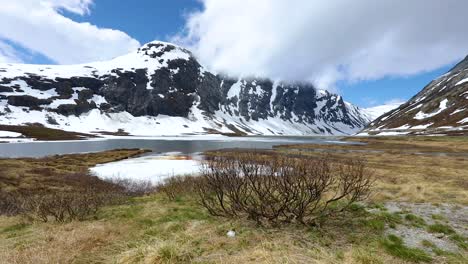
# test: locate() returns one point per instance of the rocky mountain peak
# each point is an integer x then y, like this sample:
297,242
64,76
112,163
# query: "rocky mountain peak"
162,89
163,50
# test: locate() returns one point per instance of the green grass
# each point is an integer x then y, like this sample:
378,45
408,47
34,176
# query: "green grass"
171,253
437,217
415,220
461,241
379,206
15,228
440,228
394,246
375,224
427,244
128,211
392,219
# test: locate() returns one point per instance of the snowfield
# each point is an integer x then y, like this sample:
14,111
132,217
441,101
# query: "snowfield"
376,111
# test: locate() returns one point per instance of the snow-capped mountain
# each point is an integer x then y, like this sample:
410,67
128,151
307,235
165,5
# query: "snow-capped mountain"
440,108
375,111
161,89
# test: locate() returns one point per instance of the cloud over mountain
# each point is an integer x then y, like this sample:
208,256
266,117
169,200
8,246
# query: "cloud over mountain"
326,41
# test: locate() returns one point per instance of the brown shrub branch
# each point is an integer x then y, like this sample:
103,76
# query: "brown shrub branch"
281,189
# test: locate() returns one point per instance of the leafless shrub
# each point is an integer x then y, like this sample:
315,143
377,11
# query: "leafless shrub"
8,204
63,206
133,187
177,186
81,201
277,188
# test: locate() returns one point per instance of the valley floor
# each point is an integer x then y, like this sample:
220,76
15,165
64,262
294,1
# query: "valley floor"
417,213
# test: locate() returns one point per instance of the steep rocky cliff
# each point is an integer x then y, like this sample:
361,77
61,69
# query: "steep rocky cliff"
161,89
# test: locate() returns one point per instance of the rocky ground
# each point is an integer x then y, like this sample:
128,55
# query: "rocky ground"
430,227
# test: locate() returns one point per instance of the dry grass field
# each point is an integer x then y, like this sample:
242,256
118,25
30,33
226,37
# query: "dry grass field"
25,174
412,169
425,195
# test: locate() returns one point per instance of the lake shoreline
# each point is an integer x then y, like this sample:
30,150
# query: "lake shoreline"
184,144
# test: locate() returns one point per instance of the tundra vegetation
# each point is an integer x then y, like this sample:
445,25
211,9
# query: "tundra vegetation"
293,204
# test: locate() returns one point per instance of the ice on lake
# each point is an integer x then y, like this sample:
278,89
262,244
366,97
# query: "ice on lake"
154,168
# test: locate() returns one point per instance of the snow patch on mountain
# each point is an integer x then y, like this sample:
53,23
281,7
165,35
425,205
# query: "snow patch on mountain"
442,106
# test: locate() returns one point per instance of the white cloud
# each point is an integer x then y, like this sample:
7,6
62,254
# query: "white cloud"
39,26
80,7
8,53
326,41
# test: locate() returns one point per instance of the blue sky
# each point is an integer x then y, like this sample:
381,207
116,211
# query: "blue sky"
147,20
388,89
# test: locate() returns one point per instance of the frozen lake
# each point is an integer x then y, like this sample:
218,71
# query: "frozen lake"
186,145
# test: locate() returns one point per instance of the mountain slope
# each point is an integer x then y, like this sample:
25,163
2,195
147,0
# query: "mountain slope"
440,108
161,89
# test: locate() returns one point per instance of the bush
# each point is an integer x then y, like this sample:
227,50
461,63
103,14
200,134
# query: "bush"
8,204
131,187
176,186
65,206
281,189
79,202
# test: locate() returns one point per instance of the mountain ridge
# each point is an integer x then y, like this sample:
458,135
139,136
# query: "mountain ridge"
161,89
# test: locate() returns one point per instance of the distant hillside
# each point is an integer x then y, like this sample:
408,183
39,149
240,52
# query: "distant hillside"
440,108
